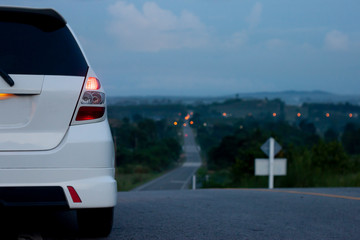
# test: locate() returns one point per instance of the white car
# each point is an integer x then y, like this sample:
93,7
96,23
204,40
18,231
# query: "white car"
56,148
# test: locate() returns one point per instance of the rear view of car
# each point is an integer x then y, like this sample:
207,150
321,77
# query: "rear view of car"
56,148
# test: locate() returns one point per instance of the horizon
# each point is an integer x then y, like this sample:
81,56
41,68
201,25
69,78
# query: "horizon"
240,93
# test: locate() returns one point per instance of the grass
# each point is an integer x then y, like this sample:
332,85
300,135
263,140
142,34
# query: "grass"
222,179
129,181
131,176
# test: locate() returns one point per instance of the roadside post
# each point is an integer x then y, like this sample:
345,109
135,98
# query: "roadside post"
270,167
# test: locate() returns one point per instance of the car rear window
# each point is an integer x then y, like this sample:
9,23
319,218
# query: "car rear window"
29,49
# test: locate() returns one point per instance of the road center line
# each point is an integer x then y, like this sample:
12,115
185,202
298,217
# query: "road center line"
308,193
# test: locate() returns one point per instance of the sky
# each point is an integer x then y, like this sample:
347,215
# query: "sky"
216,47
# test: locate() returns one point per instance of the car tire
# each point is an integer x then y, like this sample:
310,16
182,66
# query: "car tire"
95,222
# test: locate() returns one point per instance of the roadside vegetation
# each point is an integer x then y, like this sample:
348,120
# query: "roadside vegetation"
145,148
320,141
325,154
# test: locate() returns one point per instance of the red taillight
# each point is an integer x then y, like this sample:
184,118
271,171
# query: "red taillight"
93,84
75,197
90,113
92,104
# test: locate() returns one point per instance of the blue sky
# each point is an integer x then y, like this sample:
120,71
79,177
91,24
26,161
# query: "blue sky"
216,47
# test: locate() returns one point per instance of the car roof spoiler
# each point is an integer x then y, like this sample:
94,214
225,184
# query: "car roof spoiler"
47,20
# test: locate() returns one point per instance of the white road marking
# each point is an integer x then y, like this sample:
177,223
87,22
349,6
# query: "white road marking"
29,237
191,164
177,181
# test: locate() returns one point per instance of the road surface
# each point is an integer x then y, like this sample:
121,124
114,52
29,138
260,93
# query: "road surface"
181,177
331,213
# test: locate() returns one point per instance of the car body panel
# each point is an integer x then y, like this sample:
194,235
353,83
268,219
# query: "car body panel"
40,121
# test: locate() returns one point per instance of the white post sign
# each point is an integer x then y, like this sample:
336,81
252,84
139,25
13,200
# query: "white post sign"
270,167
262,167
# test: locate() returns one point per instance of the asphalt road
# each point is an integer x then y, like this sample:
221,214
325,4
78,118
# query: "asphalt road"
239,214
332,213
180,178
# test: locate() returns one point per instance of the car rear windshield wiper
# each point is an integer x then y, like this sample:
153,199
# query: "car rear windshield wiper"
7,78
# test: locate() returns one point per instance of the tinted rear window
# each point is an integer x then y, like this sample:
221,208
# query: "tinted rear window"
26,49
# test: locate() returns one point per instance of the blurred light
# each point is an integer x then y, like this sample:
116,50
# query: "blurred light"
186,135
205,124
274,114
187,117
241,127
350,115
4,96
93,84
191,122
327,115
179,114
192,113
224,114
298,114
175,123
184,124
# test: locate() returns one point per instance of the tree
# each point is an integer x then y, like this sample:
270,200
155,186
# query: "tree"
331,135
351,139
330,157
307,127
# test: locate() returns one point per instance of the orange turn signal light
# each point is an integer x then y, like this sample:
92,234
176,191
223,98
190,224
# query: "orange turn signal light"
4,96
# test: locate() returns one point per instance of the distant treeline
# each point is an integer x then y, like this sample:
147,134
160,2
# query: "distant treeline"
145,143
313,160
322,116
156,112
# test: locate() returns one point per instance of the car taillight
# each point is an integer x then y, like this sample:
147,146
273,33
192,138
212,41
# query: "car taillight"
93,84
92,97
91,106
90,113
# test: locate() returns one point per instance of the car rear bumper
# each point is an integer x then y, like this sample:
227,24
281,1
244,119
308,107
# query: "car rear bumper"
83,160
33,197
31,187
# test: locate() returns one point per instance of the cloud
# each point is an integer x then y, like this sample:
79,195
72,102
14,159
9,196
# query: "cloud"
237,39
240,38
336,41
153,28
275,43
255,16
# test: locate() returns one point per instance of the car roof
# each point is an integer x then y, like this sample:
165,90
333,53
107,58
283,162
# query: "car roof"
44,19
